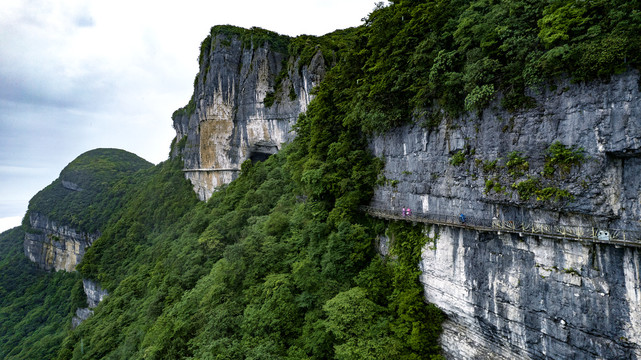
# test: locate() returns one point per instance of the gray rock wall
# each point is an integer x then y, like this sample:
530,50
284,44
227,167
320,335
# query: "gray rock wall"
95,294
527,297
54,246
231,122
602,118
511,297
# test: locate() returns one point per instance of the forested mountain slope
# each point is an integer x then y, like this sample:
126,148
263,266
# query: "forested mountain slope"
36,307
281,263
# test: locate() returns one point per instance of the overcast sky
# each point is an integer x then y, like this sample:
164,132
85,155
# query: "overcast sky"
76,75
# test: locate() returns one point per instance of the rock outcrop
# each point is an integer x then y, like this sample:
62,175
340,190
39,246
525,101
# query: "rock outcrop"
95,294
65,217
511,297
246,99
58,247
53,246
532,297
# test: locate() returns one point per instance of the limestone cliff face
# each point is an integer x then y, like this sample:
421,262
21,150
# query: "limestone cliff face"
53,246
59,247
513,296
95,294
232,120
602,118
56,247
507,295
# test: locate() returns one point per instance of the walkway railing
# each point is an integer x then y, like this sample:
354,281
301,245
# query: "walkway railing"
570,232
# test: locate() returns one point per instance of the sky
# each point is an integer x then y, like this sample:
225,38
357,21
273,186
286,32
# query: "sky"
76,75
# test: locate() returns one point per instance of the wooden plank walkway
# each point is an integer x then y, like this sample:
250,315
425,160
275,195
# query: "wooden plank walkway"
617,237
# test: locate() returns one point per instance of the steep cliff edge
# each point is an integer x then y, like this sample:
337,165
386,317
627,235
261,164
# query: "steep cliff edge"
66,217
514,295
247,96
53,246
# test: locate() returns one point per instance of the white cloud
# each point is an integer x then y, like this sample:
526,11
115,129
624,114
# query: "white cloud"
20,170
9,222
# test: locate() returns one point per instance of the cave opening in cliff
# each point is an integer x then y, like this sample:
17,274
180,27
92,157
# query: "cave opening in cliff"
261,151
259,156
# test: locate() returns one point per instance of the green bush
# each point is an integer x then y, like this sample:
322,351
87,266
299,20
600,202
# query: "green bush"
526,189
562,158
490,165
552,193
516,164
270,98
493,185
458,158
479,97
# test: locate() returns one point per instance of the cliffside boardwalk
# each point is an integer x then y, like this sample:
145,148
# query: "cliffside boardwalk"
617,237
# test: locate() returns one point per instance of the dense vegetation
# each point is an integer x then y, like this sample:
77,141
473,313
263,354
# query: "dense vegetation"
281,263
435,59
89,189
36,307
259,271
